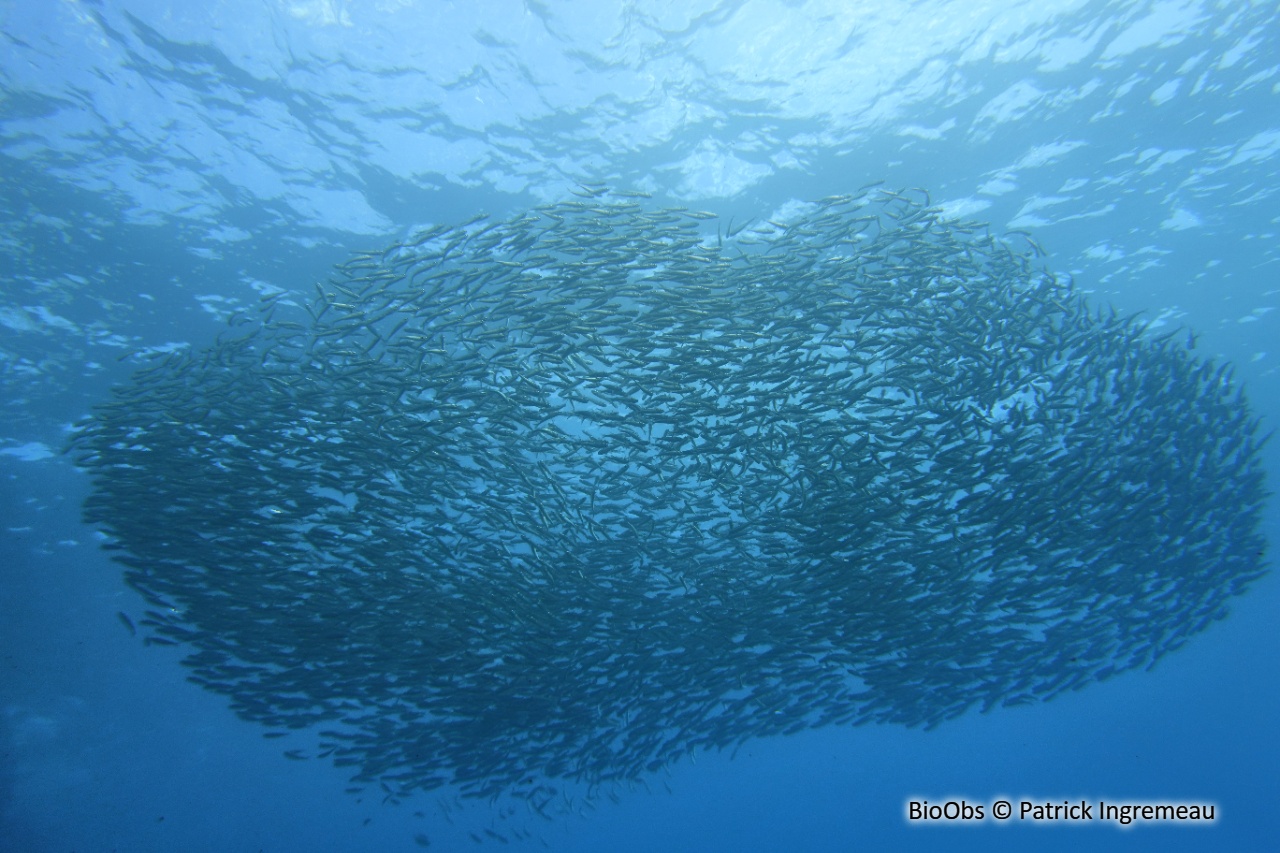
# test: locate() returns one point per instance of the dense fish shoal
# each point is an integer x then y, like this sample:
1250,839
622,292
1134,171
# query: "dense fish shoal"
575,494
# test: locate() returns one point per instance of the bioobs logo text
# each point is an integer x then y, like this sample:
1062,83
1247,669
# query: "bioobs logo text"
919,811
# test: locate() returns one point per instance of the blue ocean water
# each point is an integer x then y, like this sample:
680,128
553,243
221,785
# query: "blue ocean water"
163,165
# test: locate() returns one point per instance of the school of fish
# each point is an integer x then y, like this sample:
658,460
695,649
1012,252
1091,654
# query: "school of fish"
573,495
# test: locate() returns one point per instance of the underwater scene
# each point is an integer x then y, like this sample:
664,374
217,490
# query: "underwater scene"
631,426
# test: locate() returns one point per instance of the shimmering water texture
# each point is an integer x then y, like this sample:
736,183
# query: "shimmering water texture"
573,495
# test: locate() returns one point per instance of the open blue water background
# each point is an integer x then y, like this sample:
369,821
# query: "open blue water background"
163,163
